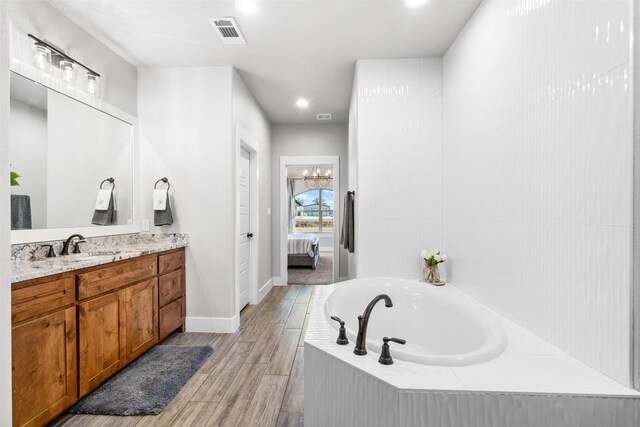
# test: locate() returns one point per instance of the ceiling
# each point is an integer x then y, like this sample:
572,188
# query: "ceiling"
295,48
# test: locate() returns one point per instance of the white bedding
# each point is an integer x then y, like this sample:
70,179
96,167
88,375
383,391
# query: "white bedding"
301,244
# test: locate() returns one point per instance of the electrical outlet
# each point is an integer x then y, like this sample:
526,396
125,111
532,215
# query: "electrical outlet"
145,225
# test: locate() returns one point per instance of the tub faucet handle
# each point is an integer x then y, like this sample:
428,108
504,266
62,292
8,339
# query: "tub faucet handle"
342,334
385,354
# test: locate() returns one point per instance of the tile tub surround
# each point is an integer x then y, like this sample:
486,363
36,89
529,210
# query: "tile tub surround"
530,374
29,261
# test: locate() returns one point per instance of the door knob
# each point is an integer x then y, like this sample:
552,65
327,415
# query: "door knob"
249,235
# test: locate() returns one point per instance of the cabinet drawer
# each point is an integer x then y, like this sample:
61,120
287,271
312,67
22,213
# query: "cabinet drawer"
171,317
102,280
171,261
43,297
171,286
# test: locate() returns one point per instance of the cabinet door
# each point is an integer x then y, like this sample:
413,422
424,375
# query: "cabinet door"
102,339
44,367
141,317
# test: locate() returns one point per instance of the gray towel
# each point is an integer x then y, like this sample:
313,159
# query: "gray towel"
20,212
107,217
164,217
347,233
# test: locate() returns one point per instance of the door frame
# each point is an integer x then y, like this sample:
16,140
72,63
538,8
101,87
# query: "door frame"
245,140
286,161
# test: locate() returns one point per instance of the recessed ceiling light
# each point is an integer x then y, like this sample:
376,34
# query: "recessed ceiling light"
302,103
414,3
247,6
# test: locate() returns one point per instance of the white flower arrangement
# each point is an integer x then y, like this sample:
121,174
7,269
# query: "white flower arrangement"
433,257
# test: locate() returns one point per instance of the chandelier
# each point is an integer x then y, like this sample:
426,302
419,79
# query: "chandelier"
316,181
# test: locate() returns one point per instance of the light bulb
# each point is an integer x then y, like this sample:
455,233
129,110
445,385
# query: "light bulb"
42,56
67,70
302,103
92,83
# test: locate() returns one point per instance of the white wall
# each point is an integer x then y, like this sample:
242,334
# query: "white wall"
307,140
118,77
28,148
185,119
399,169
538,171
5,225
248,115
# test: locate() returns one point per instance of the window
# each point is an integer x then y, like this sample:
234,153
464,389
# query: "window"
313,212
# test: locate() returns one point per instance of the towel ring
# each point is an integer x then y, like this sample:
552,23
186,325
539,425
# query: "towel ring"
110,180
165,180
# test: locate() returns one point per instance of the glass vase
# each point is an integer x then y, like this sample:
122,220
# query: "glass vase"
432,275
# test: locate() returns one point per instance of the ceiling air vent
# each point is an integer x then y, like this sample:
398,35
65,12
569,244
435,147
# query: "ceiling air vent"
228,30
323,116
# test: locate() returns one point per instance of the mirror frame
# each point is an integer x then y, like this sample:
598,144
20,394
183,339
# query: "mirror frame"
50,234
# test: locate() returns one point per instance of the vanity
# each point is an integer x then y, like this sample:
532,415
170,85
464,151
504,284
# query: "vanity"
74,329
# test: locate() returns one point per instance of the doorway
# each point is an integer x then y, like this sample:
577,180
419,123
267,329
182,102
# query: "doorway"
309,220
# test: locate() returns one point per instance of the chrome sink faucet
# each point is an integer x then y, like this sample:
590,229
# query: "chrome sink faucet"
65,247
363,323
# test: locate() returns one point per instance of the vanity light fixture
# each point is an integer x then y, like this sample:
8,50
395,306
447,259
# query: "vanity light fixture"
414,3
302,103
42,55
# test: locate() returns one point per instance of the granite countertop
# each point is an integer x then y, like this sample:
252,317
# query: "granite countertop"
98,251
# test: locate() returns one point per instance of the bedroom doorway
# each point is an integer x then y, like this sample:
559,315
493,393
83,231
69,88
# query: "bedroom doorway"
310,224
310,220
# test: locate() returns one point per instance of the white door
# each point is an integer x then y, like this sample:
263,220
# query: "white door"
244,264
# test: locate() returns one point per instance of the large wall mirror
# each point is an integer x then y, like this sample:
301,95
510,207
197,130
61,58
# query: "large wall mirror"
65,152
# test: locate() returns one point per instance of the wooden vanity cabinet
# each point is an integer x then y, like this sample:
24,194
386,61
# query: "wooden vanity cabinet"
73,331
44,370
171,292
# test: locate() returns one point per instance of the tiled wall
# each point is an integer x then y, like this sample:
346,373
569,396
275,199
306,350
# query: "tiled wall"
537,162
399,167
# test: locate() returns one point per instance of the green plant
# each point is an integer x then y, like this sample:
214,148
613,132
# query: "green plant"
14,179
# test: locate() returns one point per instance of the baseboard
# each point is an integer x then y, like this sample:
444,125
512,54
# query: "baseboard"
279,281
220,325
264,290
342,279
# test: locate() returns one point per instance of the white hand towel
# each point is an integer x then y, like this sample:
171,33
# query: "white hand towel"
160,200
102,203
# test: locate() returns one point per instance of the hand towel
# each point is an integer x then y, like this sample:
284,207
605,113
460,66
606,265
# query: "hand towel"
104,216
160,199
164,216
104,198
20,212
347,239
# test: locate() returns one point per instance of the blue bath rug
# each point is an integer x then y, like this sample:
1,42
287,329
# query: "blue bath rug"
148,384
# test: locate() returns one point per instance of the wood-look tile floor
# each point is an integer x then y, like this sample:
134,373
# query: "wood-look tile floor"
253,378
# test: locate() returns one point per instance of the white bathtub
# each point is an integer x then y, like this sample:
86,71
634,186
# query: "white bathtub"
439,329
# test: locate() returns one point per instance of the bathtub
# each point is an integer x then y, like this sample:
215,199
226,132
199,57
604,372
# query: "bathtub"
440,330
463,364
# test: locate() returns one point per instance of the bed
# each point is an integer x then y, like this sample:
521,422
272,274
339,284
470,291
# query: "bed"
303,250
